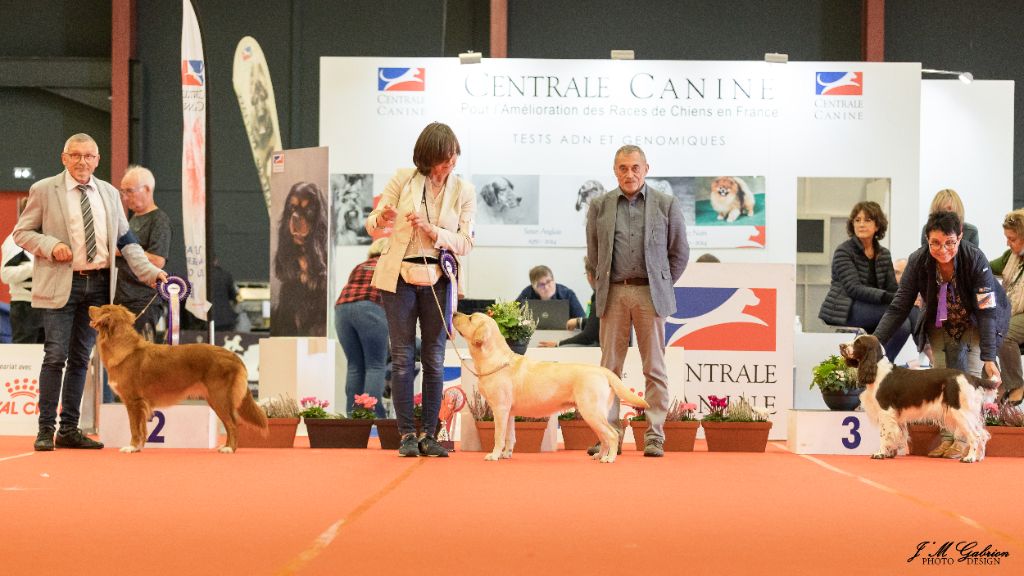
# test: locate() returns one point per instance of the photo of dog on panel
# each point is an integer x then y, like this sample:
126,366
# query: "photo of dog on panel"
507,200
299,305
683,189
894,397
730,200
351,203
588,191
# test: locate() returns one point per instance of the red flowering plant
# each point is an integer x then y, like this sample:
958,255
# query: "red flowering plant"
313,407
718,407
417,406
1003,415
364,410
740,411
681,411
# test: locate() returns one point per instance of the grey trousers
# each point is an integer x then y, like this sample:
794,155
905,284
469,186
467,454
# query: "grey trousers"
964,354
1009,355
631,307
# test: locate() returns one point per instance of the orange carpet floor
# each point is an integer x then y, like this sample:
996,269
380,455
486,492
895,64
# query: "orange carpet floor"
305,511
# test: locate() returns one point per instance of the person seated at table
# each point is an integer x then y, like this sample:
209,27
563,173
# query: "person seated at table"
589,327
947,200
863,279
542,287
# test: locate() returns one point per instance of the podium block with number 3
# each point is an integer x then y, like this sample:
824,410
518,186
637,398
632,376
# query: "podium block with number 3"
831,432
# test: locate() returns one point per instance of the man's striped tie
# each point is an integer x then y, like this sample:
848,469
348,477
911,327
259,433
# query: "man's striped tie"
90,230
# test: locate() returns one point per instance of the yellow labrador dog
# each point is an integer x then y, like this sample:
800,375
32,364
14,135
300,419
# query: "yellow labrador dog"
515,385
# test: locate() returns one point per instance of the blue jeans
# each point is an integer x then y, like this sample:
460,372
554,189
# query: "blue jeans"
69,342
404,307
363,334
867,315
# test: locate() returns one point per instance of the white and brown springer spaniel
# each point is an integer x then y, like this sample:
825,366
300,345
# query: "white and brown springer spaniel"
894,396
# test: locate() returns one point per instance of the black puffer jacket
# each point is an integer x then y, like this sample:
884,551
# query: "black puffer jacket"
850,269
976,283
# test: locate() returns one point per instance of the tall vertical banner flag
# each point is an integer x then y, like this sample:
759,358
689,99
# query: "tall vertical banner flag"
255,92
193,158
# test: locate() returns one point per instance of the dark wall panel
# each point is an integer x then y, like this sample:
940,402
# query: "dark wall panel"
685,29
979,37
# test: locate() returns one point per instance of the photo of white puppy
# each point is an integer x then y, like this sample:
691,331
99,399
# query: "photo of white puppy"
731,198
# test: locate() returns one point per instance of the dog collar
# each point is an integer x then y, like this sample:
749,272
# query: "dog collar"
504,365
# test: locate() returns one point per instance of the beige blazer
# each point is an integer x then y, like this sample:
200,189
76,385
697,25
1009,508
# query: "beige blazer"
454,227
44,223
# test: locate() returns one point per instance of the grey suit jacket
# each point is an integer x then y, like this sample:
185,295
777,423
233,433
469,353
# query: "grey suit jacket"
666,250
44,223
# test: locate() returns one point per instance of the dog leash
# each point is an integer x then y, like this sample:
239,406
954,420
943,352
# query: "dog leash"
452,285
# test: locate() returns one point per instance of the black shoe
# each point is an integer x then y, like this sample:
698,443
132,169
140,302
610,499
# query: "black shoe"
430,447
44,439
409,446
593,450
75,439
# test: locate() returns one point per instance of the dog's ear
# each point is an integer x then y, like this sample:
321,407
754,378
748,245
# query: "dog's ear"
94,312
867,368
481,333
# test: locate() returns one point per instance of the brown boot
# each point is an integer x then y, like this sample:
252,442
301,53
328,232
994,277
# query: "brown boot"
957,451
940,451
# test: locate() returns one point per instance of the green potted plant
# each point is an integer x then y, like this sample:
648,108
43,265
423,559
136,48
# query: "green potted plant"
735,427
282,419
576,433
328,430
838,384
1006,425
515,322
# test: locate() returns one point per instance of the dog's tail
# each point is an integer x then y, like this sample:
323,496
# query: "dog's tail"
626,395
251,412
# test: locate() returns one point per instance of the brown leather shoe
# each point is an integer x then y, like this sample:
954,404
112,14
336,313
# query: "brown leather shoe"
940,451
957,451
1015,397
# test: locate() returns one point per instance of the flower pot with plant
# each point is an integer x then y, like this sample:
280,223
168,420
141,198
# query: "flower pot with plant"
480,421
838,384
736,427
328,430
1006,425
680,427
515,322
282,418
576,433
529,433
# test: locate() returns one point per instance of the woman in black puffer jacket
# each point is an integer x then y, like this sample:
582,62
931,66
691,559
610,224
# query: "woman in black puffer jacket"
863,279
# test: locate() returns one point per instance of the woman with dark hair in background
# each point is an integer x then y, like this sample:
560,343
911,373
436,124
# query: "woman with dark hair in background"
425,210
863,279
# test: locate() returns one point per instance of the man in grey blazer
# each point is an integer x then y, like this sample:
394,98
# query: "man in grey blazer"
636,251
74,225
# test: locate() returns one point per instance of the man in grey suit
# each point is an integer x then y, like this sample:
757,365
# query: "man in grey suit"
636,251
73,224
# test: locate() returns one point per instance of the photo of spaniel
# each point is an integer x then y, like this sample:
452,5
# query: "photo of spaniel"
894,397
731,198
588,191
300,264
499,195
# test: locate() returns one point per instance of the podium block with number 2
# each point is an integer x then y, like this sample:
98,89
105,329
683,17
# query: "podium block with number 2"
178,426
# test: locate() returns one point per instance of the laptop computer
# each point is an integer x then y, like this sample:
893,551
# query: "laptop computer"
550,314
471,305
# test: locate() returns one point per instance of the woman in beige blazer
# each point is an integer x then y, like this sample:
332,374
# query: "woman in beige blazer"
424,210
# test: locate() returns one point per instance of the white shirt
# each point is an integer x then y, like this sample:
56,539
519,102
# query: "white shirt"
77,225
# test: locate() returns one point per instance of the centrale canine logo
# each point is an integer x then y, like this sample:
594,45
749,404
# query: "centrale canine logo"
193,73
401,79
839,83
723,319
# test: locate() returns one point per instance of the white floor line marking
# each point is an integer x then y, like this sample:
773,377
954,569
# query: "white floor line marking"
327,536
920,501
6,458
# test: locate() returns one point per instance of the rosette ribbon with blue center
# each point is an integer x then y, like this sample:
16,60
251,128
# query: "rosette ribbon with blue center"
175,291
450,267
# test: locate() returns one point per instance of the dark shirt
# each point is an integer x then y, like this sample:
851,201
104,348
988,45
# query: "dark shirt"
628,259
223,295
590,330
359,286
561,293
153,230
